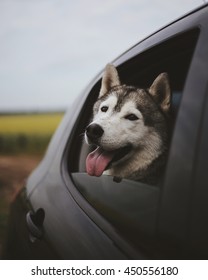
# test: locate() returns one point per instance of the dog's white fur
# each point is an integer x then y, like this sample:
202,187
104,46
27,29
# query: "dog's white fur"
147,142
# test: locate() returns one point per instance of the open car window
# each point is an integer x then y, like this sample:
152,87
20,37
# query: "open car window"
131,206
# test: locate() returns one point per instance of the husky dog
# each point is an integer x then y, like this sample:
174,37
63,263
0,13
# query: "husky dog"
129,128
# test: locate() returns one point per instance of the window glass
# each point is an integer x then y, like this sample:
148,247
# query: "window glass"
132,206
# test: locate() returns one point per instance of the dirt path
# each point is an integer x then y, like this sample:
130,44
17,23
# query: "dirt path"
13,172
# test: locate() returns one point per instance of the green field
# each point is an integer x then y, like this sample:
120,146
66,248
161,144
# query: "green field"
27,133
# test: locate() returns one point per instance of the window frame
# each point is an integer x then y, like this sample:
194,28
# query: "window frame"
129,65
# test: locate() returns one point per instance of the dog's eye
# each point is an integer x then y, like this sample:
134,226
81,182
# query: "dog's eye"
104,109
131,117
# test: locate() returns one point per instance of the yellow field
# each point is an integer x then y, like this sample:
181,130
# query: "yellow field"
30,124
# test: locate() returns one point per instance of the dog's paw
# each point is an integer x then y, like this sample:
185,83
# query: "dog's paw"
117,179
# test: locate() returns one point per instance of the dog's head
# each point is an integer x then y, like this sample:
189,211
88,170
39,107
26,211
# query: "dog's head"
126,118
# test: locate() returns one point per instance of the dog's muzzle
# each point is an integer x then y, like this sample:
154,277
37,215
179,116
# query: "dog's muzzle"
94,132
99,159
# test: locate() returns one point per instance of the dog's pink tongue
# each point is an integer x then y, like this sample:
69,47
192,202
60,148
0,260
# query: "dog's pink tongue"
97,161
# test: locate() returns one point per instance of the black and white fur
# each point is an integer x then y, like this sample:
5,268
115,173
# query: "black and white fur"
132,124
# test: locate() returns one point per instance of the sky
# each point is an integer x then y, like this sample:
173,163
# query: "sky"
51,49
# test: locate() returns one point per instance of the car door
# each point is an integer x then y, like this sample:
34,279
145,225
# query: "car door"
143,214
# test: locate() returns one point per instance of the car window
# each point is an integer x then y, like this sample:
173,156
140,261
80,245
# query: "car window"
131,206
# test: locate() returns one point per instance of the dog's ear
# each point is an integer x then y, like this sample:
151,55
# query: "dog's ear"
161,92
109,80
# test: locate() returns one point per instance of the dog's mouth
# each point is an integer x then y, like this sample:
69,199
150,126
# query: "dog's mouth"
99,160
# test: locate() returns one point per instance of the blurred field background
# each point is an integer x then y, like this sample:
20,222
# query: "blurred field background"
23,141
27,133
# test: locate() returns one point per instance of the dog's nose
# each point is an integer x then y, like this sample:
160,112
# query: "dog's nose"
94,131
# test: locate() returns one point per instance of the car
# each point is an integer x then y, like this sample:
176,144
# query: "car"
63,213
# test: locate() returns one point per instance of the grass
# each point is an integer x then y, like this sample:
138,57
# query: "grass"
29,124
27,133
